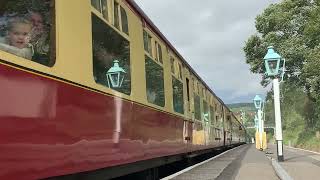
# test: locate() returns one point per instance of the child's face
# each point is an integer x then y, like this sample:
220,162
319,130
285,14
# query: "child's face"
19,35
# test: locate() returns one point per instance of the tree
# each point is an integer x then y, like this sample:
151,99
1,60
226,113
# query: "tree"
281,25
293,28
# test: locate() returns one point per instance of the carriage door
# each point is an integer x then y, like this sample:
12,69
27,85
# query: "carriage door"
187,98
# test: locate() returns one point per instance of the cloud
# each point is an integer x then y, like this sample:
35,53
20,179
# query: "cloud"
210,35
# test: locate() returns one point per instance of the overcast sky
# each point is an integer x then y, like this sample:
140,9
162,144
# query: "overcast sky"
210,35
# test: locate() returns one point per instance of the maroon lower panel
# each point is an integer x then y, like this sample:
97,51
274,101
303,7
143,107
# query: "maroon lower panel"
49,128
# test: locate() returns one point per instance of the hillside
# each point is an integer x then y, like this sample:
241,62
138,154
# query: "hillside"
236,107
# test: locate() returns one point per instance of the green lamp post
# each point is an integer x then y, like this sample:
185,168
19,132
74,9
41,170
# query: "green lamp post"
272,64
258,105
257,102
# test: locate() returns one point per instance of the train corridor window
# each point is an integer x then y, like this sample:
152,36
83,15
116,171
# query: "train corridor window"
27,29
197,108
110,49
147,42
154,82
178,102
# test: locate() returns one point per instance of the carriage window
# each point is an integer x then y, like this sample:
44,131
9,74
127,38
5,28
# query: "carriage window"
116,15
96,4
205,111
197,110
177,87
180,71
160,53
104,9
27,29
155,82
211,115
124,21
172,64
111,57
217,134
147,42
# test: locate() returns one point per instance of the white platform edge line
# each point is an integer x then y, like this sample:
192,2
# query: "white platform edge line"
191,167
302,150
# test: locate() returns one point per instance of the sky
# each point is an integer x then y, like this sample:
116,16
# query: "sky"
210,35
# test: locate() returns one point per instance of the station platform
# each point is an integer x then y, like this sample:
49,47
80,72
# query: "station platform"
247,163
298,163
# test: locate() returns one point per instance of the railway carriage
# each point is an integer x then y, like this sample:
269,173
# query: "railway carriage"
104,94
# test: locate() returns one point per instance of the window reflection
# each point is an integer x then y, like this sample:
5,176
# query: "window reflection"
108,46
155,82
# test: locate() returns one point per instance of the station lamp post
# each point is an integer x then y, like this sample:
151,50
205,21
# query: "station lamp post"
272,65
256,122
258,105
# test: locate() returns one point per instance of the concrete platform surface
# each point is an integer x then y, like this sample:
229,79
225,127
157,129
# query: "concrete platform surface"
241,163
297,163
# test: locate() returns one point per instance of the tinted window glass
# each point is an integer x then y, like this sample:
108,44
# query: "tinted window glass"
96,4
27,29
108,47
155,82
177,87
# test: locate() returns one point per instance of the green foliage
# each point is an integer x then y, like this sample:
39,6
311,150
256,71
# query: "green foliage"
293,28
248,109
283,25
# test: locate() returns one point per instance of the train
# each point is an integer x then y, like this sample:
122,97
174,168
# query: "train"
94,90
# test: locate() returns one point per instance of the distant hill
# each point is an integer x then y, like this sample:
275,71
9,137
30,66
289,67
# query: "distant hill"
247,108
236,107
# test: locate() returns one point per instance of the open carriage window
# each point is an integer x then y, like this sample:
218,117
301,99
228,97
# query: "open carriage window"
27,29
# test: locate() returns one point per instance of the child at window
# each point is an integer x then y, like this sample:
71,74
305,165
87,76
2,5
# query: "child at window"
17,38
